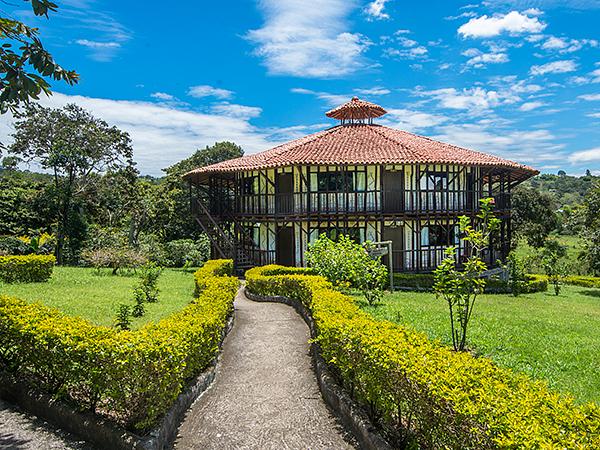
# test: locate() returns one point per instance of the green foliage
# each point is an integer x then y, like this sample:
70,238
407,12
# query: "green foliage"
17,85
591,229
74,145
551,257
123,319
430,395
149,281
26,268
187,252
460,288
131,377
347,263
118,259
533,215
517,279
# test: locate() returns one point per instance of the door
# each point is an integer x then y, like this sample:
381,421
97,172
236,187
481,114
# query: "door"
284,189
284,246
395,234
393,191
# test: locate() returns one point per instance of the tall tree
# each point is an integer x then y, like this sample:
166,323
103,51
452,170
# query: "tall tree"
591,229
73,145
18,84
534,215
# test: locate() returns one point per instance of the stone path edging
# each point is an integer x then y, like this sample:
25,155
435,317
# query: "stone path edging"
101,432
352,416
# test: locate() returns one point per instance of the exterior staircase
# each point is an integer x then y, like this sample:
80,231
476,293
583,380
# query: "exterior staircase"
222,232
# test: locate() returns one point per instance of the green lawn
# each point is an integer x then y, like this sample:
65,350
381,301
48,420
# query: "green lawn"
81,292
547,337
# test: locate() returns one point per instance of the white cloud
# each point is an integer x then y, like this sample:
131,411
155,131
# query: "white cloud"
563,66
530,106
592,154
479,59
308,41
162,96
96,44
514,23
163,134
476,99
594,115
233,110
330,99
375,10
409,49
205,90
590,97
373,91
567,45
411,120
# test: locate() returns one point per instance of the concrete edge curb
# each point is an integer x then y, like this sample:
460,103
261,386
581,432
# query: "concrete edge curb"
351,415
101,432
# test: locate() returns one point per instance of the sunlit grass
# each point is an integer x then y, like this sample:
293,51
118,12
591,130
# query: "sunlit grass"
552,338
83,292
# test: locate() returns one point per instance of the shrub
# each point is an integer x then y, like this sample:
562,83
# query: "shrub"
347,263
131,377
11,245
424,391
26,268
115,258
186,252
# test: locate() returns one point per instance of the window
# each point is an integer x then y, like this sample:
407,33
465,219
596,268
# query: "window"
248,186
358,235
350,181
435,181
437,236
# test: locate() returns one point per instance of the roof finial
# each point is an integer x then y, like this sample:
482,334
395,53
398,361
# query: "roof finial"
356,111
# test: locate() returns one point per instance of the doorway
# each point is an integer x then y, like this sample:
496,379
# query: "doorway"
284,189
393,191
396,235
284,246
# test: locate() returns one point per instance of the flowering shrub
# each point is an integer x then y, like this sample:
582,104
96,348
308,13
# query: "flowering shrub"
426,394
131,377
26,268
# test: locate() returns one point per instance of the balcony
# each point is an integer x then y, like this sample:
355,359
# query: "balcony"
363,202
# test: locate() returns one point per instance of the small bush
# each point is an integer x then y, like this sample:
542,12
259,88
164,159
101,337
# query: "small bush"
26,268
131,377
427,395
114,258
186,252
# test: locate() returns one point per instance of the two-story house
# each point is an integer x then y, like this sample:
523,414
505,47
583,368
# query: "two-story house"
369,181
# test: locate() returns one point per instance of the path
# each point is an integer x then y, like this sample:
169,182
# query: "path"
265,395
19,430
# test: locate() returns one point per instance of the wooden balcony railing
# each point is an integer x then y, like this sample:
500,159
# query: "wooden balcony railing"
428,259
313,203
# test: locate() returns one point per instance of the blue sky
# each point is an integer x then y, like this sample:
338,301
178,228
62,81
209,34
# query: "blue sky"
517,78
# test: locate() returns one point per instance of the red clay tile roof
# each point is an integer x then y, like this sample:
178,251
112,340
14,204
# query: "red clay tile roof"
356,109
359,144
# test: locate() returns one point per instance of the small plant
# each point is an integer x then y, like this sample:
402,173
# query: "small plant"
139,298
346,263
551,258
461,288
517,279
149,282
123,319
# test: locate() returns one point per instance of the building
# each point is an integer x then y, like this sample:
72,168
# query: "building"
369,181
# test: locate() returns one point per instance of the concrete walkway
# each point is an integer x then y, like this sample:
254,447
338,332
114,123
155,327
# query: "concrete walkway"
19,430
265,395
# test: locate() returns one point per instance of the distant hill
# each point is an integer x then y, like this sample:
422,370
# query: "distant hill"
567,190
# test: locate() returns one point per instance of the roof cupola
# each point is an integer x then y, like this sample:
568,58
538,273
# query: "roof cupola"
356,111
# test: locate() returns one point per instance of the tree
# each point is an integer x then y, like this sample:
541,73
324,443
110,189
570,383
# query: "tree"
74,146
220,151
533,215
551,257
17,84
591,229
460,288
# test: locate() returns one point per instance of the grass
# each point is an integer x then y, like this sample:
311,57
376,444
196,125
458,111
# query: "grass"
548,337
82,292
573,246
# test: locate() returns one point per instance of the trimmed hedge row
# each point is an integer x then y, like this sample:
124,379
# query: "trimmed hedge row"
424,391
425,282
578,280
131,377
26,268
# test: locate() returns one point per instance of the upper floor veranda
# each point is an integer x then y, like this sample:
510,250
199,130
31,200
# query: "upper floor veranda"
298,192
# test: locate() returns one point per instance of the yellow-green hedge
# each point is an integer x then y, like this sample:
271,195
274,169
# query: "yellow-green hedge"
26,268
443,398
577,280
131,377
